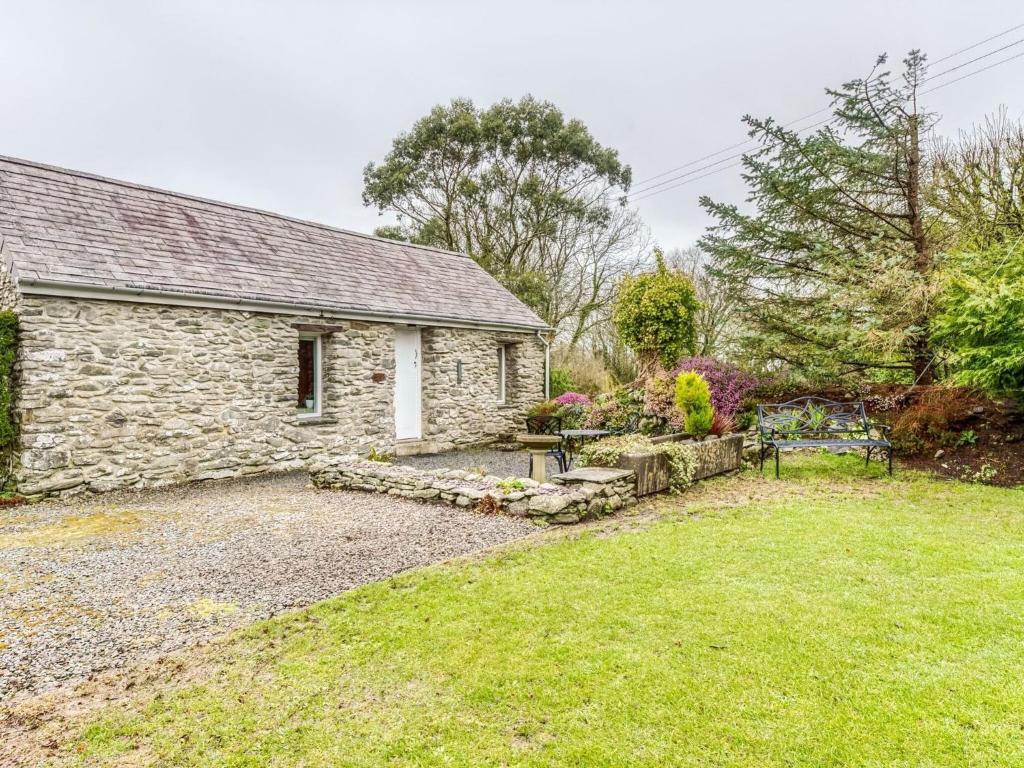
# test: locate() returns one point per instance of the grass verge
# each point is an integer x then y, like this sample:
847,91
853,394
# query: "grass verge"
835,618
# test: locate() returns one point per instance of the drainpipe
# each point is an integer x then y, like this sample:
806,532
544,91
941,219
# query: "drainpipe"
547,365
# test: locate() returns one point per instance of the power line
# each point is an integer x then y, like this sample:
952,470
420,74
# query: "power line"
974,60
651,193
643,182
688,181
980,43
641,193
976,72
641,187
651,190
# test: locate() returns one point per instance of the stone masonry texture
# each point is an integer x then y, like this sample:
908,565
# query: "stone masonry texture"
569,498
118,394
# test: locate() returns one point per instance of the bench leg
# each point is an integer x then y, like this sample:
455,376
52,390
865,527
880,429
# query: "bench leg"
890,461
776,463
867,458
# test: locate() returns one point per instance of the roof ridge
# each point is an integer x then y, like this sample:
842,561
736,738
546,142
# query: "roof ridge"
220,203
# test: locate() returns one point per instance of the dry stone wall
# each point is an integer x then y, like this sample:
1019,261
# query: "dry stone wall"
569,499
118,394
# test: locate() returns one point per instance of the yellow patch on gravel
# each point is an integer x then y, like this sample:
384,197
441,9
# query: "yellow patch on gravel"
71,530
207,608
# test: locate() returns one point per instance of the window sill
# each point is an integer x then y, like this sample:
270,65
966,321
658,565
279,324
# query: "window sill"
507,406
313,421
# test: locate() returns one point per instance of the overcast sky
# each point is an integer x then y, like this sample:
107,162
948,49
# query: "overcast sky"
280,105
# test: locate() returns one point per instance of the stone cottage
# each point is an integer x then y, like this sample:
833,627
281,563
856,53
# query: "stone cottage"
167,338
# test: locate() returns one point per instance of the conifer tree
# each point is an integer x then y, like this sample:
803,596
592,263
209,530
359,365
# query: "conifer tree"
834,263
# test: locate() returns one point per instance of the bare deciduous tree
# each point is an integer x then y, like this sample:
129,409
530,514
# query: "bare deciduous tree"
977,183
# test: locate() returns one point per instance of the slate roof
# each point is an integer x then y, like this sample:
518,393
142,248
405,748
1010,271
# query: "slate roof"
70,227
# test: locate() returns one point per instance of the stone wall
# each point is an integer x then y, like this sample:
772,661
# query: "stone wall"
451,409
712,456
570,498
716,456
119,394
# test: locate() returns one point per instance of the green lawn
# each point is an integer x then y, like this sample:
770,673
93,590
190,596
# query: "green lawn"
835,618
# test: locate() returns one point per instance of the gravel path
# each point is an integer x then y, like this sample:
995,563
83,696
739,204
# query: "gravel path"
104,582
500,463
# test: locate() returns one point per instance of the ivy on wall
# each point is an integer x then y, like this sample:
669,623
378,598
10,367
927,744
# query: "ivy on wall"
8,353
682,459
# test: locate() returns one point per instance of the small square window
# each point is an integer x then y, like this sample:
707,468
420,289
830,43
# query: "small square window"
310,369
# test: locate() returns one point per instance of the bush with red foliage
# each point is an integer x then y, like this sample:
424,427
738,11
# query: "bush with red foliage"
723,425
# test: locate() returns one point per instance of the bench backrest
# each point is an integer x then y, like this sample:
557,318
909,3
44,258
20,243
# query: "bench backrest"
812,416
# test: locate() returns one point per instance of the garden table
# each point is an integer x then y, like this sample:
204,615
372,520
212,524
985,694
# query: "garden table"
575,439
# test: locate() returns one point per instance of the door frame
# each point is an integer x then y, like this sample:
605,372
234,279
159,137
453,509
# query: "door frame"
410,332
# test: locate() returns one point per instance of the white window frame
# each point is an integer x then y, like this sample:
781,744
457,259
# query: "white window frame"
502,373
318,376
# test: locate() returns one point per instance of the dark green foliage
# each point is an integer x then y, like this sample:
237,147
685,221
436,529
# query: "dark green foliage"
561,381
517,186
8,354
392,232
833,269
654,314
981,319
615,410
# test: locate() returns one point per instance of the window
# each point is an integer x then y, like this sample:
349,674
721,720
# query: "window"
501,375
310,368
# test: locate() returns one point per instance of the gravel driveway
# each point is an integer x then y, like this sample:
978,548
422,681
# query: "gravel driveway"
100,583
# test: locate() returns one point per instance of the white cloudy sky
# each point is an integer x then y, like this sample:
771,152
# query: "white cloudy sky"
279,105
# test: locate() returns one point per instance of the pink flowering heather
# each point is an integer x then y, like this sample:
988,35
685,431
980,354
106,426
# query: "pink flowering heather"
573,398
729,385
607,413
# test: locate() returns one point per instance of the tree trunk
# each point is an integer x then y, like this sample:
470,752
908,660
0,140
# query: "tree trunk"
924,362
922,249
923,359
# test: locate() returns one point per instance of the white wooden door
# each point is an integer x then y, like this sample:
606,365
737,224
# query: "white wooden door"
407,384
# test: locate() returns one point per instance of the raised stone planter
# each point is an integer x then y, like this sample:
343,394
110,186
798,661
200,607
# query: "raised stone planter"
712,456
569,498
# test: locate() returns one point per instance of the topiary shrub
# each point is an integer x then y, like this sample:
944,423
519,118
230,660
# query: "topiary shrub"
693,398
8,354
654,314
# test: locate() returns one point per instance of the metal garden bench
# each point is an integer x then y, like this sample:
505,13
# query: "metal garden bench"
814,422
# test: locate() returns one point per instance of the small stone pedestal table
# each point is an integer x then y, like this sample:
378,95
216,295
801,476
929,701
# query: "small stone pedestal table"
538,446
